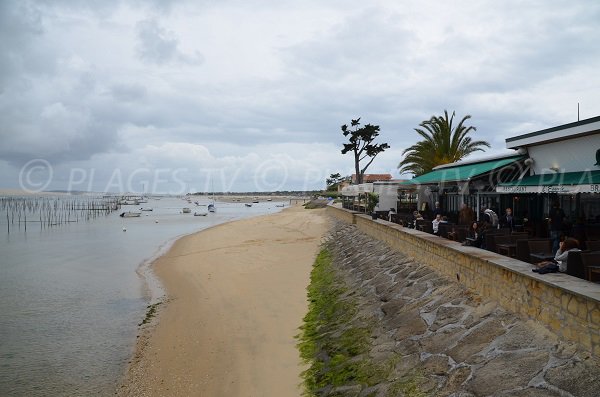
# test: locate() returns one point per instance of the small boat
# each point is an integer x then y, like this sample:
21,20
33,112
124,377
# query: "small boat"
269,199
280,205
186,210
146,209
130,214
255,201
200,213
248,205
211,208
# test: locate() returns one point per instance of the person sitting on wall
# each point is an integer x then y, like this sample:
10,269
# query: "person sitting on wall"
561,257
436,224
508,220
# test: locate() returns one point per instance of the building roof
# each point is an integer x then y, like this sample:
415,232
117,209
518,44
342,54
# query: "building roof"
373,177
561,132
463,172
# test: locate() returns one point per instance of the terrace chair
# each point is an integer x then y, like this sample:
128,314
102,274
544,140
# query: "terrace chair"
501,239
444,228
519,235
591,264
593,245
575,264
460,234
490,239
523,248
428,227
539,247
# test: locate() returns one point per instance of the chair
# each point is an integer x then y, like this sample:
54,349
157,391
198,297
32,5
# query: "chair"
591,263
490,238
499,240
593,245
444,228
575,264
539,247
519,235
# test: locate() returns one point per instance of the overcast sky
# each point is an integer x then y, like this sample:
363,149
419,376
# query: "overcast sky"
176,96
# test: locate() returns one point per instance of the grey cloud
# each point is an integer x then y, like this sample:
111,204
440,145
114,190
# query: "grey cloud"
160,46
128,92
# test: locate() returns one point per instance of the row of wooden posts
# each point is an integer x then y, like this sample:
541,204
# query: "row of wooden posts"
53,211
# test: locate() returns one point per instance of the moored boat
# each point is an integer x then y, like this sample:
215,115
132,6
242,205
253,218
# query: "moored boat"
130,214
186,210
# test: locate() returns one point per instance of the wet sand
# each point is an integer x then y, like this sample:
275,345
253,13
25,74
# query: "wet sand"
236,297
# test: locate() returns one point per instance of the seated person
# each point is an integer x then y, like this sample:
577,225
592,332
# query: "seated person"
390,214
475,235
560,259
436,223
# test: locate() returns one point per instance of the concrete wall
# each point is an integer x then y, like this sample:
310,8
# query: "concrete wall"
568,306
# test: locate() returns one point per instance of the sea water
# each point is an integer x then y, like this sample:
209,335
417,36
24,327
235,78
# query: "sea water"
72,296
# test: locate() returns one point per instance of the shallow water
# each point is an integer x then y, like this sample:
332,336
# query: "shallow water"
72,296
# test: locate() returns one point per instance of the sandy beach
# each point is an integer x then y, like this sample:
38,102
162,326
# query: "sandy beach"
236,297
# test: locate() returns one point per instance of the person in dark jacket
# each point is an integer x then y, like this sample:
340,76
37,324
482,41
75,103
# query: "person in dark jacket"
475,235
508,220
556,220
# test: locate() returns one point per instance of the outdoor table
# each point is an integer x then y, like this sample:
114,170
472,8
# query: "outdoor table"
542,256
592,269
509,248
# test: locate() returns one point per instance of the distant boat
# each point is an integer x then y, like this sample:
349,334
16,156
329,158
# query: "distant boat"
146,209
200,213
186,210
211,208
130,214
280,205
248,205
255,201
269,199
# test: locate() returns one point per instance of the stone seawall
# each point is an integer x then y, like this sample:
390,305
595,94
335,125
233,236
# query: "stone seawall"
567,306
438,338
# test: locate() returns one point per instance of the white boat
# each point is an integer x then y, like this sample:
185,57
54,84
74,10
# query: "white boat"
200,213
146,209
130,214
269,199
211,208
186,210
248,205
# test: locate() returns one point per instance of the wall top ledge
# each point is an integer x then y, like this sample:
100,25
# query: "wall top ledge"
572,285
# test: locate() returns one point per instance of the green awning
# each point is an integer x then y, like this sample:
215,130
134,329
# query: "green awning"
463,172
566,182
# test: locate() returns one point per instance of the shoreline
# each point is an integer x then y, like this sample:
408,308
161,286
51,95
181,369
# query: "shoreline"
234,297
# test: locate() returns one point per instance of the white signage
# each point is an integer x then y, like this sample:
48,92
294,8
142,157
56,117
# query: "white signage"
560,189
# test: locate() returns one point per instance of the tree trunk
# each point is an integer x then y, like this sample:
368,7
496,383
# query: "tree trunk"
357,169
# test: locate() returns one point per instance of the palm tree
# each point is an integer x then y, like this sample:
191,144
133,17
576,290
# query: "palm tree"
442,144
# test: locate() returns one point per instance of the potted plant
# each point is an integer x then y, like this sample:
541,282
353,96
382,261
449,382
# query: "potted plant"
372,201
